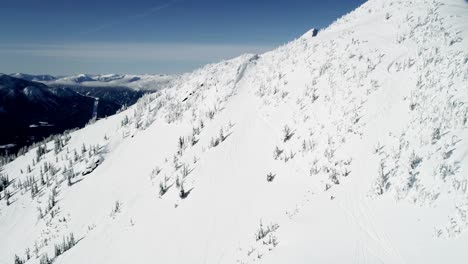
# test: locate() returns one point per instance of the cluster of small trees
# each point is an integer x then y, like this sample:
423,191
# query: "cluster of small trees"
287,133
270,177
211,113
18,260
218,140
415,160
51,203
60,142
182,192
311,92
180,185
277,152
67,243
4,183
263,231
182,144
182,169
52,199
47,170
265,240
392,165
45,259
308,145
184,172
124,121
69,175
272,240
6,158
64,137
280,154
116,208
41,150
32,183
163,187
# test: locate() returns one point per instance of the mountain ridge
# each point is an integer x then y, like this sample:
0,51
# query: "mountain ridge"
148,82
31,111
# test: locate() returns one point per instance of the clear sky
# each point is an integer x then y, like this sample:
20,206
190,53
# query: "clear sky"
149,36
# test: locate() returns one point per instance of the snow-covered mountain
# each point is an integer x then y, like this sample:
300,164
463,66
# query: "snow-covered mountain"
31,111
12,88
31,77
348,146
139,82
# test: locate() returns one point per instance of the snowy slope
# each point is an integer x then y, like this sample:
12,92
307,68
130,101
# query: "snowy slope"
350,146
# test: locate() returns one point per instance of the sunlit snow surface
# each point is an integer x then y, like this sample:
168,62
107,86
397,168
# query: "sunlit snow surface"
373,167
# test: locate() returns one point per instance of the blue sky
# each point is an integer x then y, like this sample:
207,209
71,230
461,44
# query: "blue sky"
143,36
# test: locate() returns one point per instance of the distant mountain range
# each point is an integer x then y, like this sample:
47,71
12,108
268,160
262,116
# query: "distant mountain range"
139,82
33,107
37,78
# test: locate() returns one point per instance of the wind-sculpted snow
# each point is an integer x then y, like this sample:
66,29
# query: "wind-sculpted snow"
348,146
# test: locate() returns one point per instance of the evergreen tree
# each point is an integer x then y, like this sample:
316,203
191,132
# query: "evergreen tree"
7,197
75,155
45,259
18,260
27,253
57,145
83,149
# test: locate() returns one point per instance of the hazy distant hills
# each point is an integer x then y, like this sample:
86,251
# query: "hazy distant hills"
30,77
137,82
31,110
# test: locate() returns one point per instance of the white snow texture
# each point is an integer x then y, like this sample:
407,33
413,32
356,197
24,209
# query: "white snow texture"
347,147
